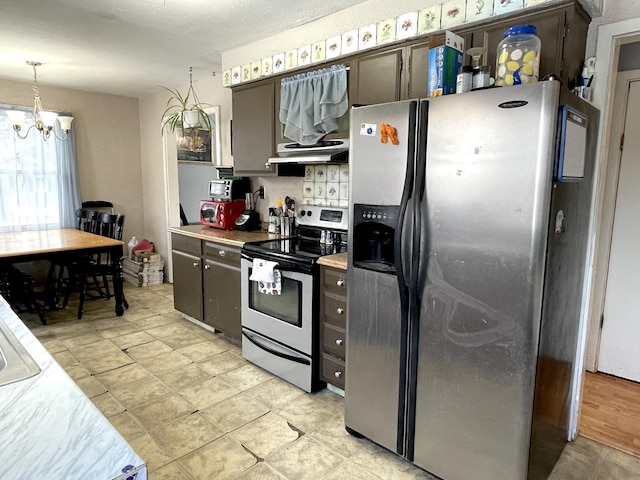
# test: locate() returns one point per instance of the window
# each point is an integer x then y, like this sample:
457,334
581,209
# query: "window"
34,189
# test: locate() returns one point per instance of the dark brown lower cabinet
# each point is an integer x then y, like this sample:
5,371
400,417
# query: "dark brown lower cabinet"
221,287
333,325
206,282
187,275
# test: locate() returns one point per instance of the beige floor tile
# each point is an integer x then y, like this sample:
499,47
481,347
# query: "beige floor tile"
309,411
64,358
575,463
132,339
128,427
234,412
109,323
76,371
80,340
126,328
148,350
202,350
182,340
305,459
53,345
91,386
265,434
209,392
99,348
164,363
246,377
171,471
122,376
350,471
186,434
333,434
107,362
387,465
172,329
221,459
149,450
137,393
184,376
275,393
262,471
612,471
164,410
107,404
627,461
222,362
149,319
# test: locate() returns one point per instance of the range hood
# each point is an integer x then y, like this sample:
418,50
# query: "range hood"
326,151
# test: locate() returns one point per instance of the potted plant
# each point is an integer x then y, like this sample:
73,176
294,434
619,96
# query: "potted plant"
186,111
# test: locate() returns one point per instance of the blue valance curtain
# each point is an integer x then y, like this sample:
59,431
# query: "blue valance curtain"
311,103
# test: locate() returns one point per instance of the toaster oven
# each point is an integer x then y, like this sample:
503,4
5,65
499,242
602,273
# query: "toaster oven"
226,190
221,214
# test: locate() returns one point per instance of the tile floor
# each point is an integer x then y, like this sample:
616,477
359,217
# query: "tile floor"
193,408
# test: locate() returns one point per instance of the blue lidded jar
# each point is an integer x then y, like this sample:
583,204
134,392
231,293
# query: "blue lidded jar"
518,56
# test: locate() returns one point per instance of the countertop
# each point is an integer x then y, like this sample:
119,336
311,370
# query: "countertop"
228,237
49,429
337,260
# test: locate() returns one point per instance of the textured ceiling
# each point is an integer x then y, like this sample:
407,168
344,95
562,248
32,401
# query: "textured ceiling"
129,47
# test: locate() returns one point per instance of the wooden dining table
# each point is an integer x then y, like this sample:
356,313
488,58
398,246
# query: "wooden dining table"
27,246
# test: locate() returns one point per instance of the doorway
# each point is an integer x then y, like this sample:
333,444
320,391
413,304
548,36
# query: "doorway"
620,328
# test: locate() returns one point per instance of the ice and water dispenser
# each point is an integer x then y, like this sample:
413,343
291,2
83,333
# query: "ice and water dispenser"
374,230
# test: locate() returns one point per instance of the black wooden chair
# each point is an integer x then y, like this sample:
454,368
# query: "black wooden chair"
90,275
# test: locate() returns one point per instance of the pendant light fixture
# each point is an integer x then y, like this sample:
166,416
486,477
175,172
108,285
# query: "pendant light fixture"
44,120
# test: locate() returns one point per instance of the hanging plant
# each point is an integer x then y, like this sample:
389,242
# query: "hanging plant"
186,112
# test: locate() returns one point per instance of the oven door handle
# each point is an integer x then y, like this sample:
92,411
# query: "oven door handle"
283,265
258,344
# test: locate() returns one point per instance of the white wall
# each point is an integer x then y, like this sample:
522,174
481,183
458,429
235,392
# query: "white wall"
158,194
107,144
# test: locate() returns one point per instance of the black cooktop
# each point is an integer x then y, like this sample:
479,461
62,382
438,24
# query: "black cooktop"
295,249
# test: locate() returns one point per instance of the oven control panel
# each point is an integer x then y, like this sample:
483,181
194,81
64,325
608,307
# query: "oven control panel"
324,217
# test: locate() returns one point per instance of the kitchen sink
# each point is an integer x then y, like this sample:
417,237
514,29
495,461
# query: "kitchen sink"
15,363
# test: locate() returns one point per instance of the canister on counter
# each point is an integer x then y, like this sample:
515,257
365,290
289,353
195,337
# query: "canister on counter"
464,79
518,56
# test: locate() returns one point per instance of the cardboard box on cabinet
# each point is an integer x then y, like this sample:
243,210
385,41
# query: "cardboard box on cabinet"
446,53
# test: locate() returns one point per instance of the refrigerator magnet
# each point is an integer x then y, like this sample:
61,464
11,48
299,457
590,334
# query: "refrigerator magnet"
368,129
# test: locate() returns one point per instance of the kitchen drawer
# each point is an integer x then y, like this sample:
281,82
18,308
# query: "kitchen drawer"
222,254
333,339
334,310
334,281
184,243
333,370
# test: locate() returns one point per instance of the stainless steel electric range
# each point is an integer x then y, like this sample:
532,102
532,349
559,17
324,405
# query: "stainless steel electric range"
280,333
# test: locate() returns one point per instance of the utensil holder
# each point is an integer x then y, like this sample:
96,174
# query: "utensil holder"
287,225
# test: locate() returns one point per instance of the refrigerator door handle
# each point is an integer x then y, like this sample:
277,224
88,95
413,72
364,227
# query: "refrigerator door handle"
400,253
419,264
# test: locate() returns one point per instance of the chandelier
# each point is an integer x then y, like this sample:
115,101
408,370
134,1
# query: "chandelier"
44,120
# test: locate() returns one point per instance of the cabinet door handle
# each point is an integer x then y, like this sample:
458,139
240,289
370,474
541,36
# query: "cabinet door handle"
339,310
196,264
222,253
340,282
337,374
339,341
206,267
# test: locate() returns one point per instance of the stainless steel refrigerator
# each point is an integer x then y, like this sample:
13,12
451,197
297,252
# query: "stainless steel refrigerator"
468,242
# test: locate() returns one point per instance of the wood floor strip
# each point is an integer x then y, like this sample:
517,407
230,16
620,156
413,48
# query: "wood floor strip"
610,412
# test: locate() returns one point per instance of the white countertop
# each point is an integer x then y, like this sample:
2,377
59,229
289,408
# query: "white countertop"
50,430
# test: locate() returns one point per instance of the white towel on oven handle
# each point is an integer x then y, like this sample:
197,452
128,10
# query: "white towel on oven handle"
267,275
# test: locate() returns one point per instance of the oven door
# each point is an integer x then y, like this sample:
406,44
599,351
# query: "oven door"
286,318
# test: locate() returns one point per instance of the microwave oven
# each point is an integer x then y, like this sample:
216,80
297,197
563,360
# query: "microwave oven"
221,214
227,190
